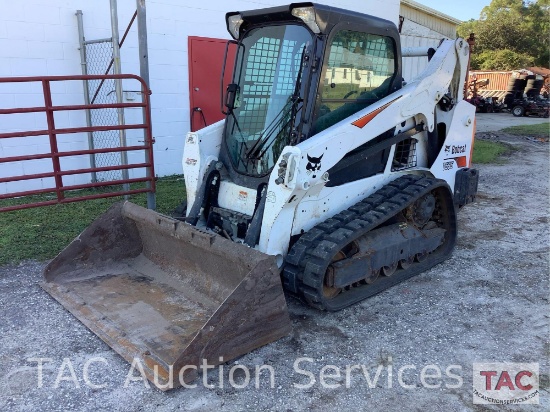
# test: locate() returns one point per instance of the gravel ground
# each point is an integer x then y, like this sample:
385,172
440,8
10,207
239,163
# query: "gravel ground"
488,303
491,122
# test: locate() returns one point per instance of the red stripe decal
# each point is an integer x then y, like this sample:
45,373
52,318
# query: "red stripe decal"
363,121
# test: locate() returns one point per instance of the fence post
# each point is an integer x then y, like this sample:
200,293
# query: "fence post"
118,87
84,66
144,74
53,139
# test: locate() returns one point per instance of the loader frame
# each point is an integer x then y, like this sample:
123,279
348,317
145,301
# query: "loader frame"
298,198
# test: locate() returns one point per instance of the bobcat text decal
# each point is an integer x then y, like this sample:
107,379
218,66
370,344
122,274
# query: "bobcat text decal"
459,149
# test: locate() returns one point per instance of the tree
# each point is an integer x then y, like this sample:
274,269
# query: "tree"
510,34
504,59
539,19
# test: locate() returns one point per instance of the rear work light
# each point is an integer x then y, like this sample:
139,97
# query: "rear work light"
234,24
307,15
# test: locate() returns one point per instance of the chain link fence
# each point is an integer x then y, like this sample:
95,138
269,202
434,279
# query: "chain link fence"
98,58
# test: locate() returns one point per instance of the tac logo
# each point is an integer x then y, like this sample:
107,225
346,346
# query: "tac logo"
506,383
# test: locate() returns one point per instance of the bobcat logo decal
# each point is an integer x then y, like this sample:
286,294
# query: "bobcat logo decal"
447,148
313,164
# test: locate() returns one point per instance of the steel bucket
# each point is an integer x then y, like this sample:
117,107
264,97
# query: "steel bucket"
167,294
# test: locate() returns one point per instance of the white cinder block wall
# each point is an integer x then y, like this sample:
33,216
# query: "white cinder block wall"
40,37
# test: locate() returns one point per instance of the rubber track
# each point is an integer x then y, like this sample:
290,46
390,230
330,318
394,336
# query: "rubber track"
308,259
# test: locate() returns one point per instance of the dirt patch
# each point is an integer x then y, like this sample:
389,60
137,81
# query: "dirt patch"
481,196
494,234
511,140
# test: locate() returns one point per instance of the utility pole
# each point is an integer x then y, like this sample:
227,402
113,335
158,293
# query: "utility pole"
144,74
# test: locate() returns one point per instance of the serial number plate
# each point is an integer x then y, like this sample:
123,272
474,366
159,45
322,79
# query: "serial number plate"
448,165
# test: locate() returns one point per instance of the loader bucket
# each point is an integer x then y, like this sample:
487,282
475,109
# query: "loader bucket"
167,294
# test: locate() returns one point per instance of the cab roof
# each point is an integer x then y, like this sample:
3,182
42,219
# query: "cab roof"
326,17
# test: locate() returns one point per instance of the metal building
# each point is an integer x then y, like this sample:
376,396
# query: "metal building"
422,26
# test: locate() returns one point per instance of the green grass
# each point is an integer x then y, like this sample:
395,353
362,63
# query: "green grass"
489,152
532,130
40,233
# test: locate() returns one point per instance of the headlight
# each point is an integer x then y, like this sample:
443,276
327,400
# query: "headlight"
234,24
307,15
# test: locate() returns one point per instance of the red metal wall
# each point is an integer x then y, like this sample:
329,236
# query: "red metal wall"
497,80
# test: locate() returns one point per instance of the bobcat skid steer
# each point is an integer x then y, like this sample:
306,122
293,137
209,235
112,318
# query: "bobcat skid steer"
329,177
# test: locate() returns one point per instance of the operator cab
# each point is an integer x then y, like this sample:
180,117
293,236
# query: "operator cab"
300,69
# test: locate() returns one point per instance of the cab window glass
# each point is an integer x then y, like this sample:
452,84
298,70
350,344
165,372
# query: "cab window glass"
359,72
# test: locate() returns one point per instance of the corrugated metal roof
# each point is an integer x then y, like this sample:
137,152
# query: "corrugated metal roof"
495,94
429,10
539,70
498,80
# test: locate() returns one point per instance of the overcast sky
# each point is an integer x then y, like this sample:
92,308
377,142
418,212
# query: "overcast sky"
461,10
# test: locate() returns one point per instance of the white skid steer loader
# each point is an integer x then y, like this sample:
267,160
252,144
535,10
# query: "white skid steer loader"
329,177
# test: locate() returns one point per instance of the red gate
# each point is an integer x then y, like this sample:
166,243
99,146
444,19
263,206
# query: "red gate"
55,154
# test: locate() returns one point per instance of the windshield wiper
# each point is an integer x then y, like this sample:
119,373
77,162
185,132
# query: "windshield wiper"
268,145
254,152
275,125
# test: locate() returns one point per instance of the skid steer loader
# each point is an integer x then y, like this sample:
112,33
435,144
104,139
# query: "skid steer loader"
329,177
